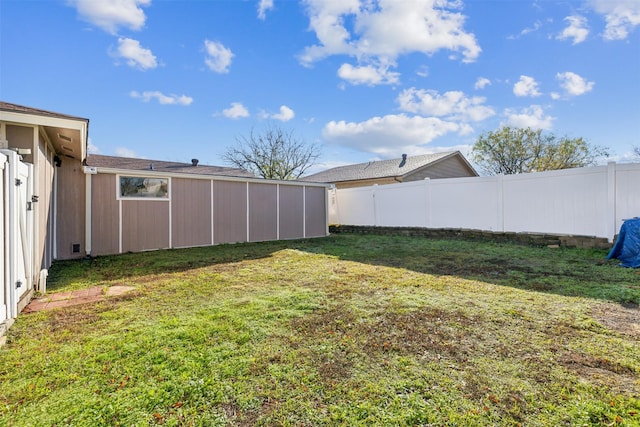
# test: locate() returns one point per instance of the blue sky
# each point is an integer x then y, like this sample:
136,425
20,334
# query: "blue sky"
364,80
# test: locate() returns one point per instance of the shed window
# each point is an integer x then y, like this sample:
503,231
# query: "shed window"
142,187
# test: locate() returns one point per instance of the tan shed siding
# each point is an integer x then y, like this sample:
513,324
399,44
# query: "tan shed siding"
145,225
263,212
315,211
70,207
22,137
190,212
291,212
452,167
44,191
229,212
105,214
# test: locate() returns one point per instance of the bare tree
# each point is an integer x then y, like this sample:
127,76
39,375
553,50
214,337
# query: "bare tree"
272,154
636,151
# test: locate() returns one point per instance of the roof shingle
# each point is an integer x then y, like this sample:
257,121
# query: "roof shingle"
133,164
375,169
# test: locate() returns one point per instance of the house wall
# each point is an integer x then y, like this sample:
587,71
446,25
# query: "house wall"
44,171
315,223
291,210
203,211
70,209
145,225
229,212
263,212
105,215
22,137
190,212
452,167
587,201
365,182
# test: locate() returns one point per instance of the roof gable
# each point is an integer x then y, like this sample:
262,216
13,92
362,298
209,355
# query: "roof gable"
394,168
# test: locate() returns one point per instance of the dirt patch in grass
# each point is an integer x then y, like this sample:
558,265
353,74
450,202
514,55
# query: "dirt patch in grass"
624,319
602,371
428,332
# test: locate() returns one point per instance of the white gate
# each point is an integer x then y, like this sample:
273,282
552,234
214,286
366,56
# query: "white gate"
18,220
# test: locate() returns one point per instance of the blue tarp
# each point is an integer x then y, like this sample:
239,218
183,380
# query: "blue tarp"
627,247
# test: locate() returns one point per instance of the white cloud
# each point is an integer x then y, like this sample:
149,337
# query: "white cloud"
533,117
218,57
573,84
526,86
390,135
454,105
112,14
367,75
379,31
135,55
236,111
263,6
284,115
481,83
577,29
162,98
92,148
535,27
622,16
125,152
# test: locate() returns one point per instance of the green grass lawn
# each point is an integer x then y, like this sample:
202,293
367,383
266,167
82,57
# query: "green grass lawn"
346,330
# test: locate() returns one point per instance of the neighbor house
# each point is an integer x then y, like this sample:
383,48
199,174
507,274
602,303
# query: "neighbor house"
407,168
60,203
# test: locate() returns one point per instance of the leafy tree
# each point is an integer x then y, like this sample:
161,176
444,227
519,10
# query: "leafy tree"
272,154
516,150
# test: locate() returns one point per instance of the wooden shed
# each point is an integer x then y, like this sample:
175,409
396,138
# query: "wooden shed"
140,204
58,203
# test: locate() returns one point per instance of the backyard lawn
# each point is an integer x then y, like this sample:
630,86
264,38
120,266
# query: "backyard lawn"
346,330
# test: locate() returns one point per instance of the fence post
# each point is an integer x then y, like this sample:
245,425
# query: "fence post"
611,201
427,197
375,210
500,204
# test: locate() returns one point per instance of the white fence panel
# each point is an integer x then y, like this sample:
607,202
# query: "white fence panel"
627,198
588,201
559,202
401,205
18,231
465,203
4,279
354,206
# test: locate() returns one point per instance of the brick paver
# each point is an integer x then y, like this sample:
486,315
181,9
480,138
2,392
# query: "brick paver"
68,299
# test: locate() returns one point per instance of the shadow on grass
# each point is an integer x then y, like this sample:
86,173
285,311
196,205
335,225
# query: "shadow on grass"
561,271
569,272
72,274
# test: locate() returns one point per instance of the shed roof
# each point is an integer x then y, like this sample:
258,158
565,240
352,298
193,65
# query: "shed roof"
15,108
140,165
379,169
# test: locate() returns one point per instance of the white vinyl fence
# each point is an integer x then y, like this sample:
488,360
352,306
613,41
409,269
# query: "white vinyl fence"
16,217
582,202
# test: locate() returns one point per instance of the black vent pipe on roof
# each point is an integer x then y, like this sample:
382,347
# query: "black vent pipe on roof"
194,162
404,160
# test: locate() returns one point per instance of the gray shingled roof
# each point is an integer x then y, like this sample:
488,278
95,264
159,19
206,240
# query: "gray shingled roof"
15,108
128,163
375,169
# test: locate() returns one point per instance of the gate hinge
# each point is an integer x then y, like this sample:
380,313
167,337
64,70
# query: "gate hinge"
34,199
18,182
18,284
